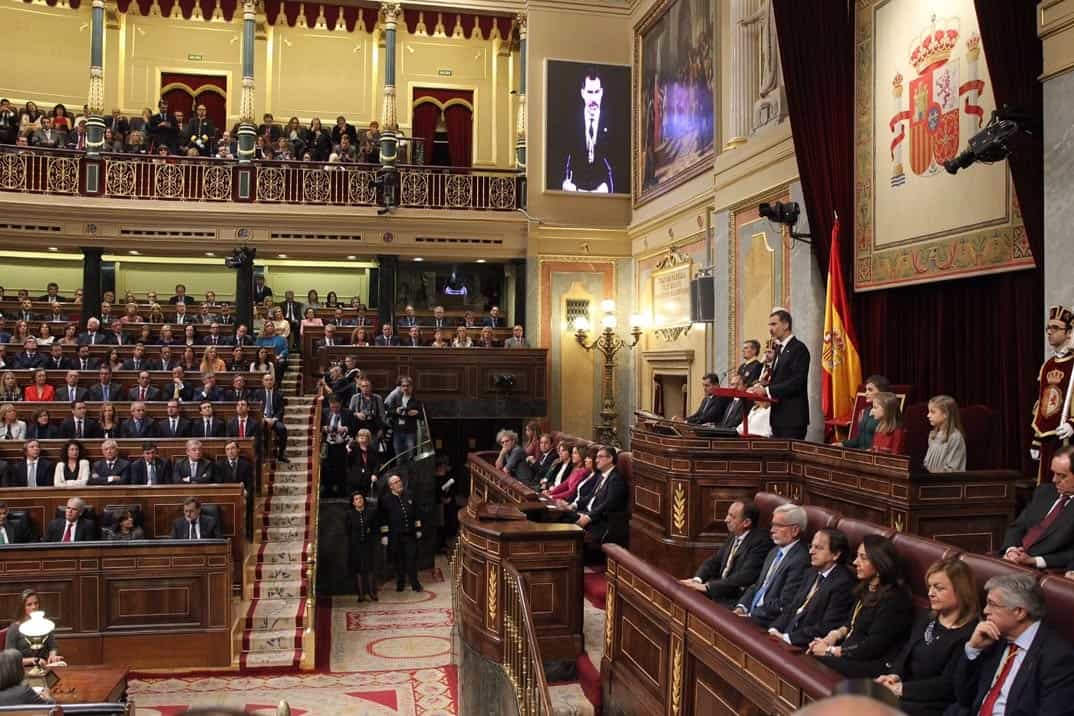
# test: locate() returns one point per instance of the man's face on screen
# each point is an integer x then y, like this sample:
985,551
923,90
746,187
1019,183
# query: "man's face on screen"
592,94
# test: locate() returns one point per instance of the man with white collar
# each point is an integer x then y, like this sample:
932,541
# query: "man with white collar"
1053,423
1014,663
789,381
726,575
609,496
587,167
783,570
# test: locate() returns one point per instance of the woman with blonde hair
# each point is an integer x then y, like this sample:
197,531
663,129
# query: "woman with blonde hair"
156,315
211,363
9,388
11,428
947,443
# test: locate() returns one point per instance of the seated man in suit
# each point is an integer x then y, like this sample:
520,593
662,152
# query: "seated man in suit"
783,569
439,319
387,336
232,467
824,597
174,425
193,524
138,425
70,391
495,320
207,425
736,409
413,338
29,358
207,390
243,425
726,575
1043,535
85,361
1014,663
151,469
56,359
183,317
144,390
609,496
213,338
517,339
104,390
193,468
238,390
138,360
111,469
78,426
712,407
73,526
12,531
512,458
546,456
177,387
92,336
33,470
330,338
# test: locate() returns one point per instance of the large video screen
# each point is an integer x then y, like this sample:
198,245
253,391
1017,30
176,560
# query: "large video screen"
587,128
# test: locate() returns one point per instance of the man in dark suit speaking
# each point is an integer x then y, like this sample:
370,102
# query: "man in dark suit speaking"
789,382
587,167
726,575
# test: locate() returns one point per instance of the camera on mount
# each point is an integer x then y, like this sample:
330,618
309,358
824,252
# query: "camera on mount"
786,213
240,258
991,144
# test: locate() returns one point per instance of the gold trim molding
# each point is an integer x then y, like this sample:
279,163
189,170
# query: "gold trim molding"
1055,27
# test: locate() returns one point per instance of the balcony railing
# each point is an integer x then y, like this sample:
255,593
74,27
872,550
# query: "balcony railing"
203,179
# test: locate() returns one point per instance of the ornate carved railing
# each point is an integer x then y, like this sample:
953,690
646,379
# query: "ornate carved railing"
135,176
521,657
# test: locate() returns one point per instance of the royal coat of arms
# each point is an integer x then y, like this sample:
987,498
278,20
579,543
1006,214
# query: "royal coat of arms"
942,113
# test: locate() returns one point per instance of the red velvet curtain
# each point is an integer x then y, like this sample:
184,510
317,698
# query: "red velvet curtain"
459,120
978,339
215,103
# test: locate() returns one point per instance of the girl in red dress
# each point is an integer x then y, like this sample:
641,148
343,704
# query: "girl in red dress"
890,434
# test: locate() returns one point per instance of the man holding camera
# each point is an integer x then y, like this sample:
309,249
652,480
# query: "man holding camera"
403,410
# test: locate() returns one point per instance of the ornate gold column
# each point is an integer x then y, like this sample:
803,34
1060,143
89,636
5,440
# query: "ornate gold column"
520,125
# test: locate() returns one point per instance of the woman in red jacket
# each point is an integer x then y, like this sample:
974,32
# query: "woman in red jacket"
39,390
584,459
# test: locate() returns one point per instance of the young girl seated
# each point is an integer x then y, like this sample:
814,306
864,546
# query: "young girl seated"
890,434
947,446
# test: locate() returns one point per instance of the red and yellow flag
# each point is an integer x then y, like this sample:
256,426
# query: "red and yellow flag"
840,361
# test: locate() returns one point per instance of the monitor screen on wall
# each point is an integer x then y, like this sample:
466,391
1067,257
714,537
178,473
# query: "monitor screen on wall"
587,128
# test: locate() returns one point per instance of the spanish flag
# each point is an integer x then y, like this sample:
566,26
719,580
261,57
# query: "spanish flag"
840,362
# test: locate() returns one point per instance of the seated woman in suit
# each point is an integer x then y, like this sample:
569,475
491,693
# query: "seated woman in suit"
361,539
109,423
123,527
863,646
74,469
359,337
363,464
863,440
560,470
584,462
462,338
11,428
29,602
12,673
923,674
890,435
40,427
40,390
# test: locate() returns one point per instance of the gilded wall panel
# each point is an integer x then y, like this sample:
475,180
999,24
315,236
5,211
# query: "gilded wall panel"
322,74
47,58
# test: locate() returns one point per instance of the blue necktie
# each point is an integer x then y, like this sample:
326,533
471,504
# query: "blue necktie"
767,581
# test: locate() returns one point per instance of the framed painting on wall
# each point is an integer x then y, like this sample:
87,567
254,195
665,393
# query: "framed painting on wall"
674,95
922,90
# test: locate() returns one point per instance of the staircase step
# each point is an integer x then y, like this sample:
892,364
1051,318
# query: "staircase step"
272,659
569,700
275,614
281,518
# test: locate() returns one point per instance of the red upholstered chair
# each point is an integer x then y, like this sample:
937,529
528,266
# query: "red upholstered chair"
818,518
856,529
918,554
767,502
984,568
1059,598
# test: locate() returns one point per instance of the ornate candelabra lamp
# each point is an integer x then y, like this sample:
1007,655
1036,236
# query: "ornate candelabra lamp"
609,344
36,631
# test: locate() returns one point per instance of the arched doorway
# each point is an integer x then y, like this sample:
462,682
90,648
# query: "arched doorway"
456,107
185,91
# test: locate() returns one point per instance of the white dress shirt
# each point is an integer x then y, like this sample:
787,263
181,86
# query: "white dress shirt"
1024,641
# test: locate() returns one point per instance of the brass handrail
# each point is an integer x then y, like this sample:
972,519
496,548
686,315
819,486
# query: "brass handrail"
309,637
521,654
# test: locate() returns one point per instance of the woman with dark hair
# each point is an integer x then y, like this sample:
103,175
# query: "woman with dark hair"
12,673
331,300
319,141
531,436
61,121
145,335
583,467
29,603
361,538
864,645
70,335
237,364
923,674
823,601
123,527
40,427
73,468
863,440
560,470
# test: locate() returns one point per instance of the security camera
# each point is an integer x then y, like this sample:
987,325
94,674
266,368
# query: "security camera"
786,213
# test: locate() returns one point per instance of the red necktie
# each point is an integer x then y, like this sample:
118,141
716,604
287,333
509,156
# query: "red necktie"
1034,533
68,534
997,687
142,394
242,429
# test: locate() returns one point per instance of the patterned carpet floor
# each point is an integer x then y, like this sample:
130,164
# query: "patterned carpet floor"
392,657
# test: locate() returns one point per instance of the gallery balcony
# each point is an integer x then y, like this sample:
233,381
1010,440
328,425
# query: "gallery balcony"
59,172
